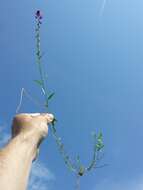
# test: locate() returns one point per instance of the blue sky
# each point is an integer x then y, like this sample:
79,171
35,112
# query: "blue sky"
93,58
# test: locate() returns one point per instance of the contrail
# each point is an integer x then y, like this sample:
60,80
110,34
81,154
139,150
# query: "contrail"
103,7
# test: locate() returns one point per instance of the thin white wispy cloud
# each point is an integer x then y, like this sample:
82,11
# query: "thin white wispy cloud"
40,177
108,184
39,170
104,2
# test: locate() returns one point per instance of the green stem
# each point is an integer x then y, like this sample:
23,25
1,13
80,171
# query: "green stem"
79,169
59,144
39,56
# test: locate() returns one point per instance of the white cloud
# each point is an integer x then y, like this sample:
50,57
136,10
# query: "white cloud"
103,7
134,184
39,170
40,177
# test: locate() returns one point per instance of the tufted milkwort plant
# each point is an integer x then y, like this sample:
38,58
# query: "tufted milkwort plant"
76,165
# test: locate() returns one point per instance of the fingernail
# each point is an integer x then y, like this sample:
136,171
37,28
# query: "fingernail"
34,114
51,117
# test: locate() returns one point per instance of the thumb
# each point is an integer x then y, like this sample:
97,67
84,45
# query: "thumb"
49,117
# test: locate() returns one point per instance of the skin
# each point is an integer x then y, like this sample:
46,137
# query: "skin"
28,131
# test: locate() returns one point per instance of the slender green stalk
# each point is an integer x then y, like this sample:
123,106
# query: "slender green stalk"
39,57
77,168
41,82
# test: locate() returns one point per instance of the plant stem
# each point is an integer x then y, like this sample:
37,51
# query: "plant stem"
77,186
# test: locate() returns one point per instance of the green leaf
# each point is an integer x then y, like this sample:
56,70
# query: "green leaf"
100,136
99,141
39,82
51,95
99,146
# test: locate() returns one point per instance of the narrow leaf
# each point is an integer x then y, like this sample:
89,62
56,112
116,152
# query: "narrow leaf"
39,82
51,95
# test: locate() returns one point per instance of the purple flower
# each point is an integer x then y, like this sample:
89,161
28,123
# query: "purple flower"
38,15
